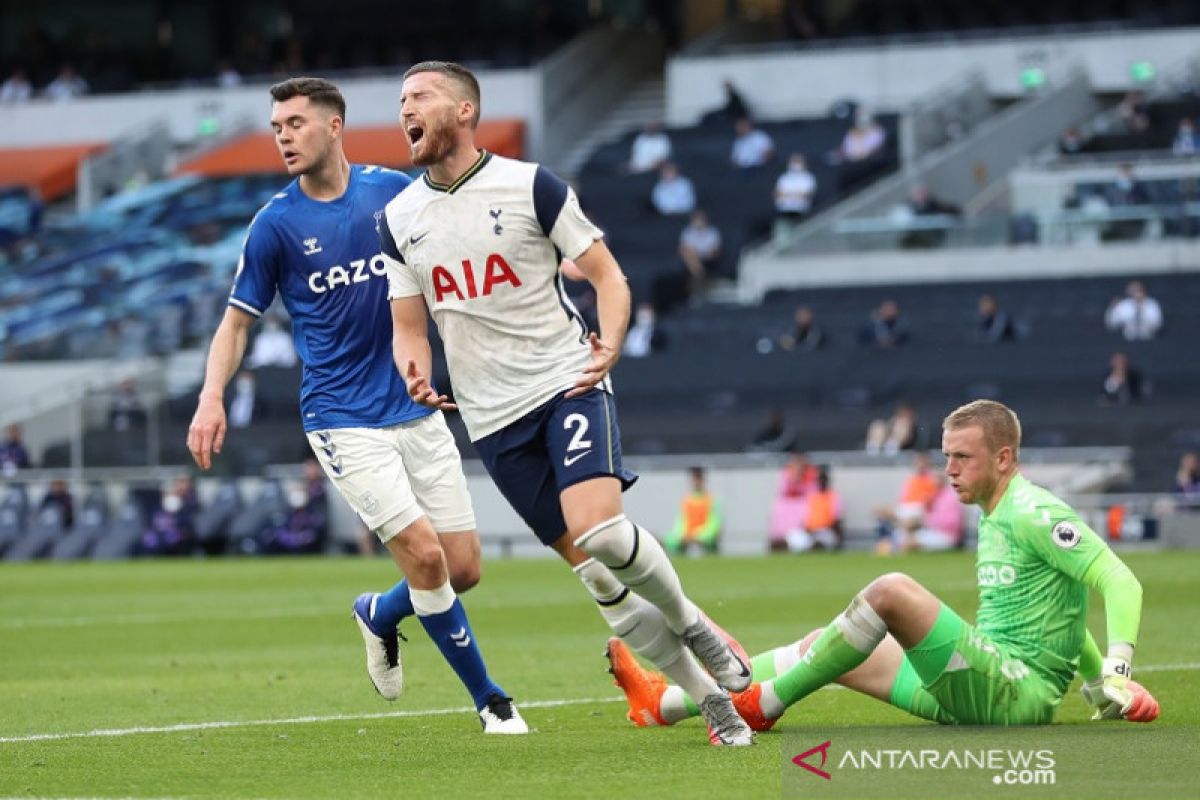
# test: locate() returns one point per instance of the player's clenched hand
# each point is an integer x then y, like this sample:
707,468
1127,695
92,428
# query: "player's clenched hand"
206,434
1115,695
420,390
603,359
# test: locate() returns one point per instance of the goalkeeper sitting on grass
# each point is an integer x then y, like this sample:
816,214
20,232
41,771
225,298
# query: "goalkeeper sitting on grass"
899,643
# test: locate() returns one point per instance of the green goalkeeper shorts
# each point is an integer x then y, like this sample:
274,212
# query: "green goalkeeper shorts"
975,681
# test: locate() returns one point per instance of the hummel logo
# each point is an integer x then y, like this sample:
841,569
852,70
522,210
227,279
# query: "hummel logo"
496,229
569,460
311,246
415,239
461,639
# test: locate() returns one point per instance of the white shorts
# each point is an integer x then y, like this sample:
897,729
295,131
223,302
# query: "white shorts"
392,476
935,540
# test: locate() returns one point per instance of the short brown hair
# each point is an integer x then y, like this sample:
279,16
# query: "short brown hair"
466,81
319,92
999,423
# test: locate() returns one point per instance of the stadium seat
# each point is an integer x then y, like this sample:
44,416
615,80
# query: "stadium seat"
44,530
123,532
90,525
246,528
212,524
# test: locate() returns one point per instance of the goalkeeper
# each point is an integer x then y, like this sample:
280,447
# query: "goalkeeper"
899,643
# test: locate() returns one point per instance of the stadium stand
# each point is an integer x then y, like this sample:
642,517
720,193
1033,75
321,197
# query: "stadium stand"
739,202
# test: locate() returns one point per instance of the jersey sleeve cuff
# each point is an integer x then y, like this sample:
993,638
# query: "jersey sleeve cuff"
582,246
244,306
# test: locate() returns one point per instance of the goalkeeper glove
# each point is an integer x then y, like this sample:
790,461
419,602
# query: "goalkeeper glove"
1115,695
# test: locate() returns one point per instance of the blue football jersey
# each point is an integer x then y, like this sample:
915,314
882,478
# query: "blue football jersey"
323,258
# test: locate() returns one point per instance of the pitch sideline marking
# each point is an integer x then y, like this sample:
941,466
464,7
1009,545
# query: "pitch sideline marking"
250,723
431,712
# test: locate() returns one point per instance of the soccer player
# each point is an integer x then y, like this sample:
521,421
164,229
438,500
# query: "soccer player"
395,462
477,241
897,642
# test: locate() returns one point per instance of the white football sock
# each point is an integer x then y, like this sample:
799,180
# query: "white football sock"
639,562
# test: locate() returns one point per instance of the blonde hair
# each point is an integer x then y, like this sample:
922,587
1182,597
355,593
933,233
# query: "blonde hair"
999,423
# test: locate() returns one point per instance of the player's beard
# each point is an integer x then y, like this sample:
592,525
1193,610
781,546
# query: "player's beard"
436,143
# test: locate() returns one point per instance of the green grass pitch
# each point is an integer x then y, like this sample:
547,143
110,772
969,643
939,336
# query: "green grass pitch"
255,670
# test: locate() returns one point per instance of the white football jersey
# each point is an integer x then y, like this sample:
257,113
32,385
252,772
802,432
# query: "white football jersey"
484,252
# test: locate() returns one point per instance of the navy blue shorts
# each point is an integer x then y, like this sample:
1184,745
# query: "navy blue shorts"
558,444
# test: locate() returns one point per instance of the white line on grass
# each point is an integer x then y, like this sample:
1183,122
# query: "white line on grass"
250,723
431,712
159,619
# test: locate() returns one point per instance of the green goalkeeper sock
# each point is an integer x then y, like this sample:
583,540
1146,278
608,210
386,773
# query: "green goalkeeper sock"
843,645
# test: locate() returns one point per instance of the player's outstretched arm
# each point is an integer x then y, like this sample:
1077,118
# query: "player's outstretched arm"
206,434
412,353
1115,694
612,306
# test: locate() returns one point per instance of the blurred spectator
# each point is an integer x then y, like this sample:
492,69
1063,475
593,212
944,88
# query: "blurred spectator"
795,189
886,328
822,519
1187,482
992,323
698,527
644,336
227,76
1186,142
246,407
734,106
171,532
805,334
59,496
1071,141
1135,112
1126,189
937,527
651,149
17,89
916,497
127,410
273,347
863,142
13,455
673,194
66,86
897,432
700,250
305,527
1137,315
775,436
923,203
1123,384
797,481
751,146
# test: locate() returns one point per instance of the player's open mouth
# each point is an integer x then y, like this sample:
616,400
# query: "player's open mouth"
290,156
415,133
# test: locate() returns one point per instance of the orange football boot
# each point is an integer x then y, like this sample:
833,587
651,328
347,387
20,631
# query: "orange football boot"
643,689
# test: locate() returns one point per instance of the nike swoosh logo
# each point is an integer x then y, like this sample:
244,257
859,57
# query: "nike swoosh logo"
415,239
569,460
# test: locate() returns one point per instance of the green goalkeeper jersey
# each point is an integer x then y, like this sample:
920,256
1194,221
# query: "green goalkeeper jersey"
1033,552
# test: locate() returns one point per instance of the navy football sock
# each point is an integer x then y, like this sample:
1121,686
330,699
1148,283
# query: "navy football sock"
445,620
392,607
